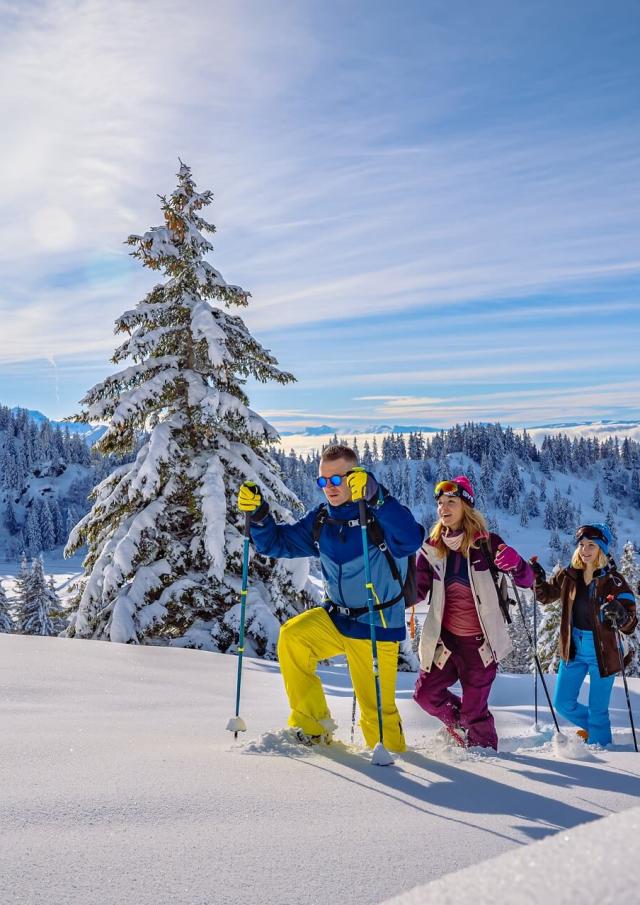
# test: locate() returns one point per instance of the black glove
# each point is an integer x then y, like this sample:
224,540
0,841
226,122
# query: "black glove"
538,571
613,612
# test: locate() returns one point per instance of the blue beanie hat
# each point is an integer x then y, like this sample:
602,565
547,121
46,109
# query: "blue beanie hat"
600,534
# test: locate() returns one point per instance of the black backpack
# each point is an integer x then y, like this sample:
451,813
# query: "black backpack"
408,588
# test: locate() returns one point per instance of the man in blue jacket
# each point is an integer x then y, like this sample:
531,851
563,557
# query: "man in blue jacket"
341,625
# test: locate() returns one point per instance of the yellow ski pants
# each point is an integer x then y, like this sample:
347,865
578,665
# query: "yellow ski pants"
312,636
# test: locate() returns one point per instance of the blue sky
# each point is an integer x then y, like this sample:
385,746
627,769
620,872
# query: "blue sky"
435,206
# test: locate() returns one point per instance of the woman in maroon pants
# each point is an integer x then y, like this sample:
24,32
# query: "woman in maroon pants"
464,635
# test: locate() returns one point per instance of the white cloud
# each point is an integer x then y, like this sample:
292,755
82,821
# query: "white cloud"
100,100
330,206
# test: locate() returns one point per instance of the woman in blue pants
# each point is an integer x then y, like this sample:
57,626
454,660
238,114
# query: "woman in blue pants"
596,600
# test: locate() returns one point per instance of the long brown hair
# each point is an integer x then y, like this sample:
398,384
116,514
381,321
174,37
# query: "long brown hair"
474,526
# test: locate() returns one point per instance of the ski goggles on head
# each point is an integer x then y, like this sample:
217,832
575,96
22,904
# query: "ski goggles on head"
451,488
589,532
335,479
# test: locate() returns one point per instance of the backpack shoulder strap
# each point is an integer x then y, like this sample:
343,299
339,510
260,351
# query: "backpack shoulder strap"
318,524
503,600
485,546
374,533
376,536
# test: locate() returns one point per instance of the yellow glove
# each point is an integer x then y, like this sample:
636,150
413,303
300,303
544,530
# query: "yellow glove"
363,486
249,497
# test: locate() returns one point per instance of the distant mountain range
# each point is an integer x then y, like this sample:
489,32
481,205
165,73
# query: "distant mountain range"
603,426
606,427
89,432
324,429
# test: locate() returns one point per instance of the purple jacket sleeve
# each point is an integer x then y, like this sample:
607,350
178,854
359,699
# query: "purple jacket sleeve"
523,574
424,576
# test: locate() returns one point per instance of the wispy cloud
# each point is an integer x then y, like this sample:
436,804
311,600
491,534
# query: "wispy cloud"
411,200
105,95
520,406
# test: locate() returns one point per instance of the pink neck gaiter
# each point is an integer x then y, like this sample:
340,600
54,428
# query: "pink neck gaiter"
453,539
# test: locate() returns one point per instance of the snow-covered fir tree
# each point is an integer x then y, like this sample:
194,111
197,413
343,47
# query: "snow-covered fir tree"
57,612
6,619
22,588
44,470
548,637
630,568
486,477
33,532
555,544
415,641
164,534
610,520
597,499
408,660
35,617
521,630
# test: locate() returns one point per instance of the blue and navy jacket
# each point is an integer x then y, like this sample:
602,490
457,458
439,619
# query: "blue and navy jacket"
342,561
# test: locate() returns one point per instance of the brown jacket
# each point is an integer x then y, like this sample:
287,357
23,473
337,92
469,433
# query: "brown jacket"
605,582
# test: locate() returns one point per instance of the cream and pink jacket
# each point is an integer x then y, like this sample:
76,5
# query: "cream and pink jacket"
430,578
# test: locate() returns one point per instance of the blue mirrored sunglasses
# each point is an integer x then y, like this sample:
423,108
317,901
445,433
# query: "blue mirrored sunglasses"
335,479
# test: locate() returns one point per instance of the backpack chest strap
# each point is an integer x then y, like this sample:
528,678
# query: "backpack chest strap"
355,611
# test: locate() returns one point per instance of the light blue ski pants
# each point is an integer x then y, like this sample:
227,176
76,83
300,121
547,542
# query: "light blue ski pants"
594,718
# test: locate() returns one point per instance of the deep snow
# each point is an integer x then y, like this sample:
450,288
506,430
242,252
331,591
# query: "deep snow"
589,863
120,785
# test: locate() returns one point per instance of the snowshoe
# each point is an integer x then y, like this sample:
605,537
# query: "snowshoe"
452,735
309,741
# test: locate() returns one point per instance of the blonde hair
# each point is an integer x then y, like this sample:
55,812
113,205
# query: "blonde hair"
578,562
473,526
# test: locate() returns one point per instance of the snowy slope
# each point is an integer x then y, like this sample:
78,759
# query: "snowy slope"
62,571
586,864
534,538
121,785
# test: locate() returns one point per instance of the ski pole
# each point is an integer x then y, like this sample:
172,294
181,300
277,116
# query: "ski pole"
618,637
535,653
237,724
380,754
353,717
535,645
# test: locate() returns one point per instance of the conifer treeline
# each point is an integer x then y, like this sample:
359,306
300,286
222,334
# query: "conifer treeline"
46,475
500,454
